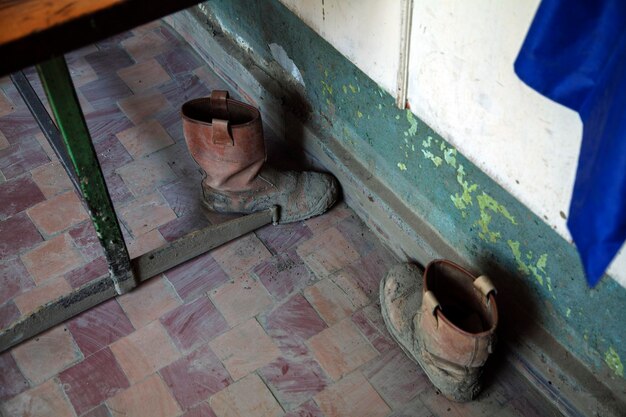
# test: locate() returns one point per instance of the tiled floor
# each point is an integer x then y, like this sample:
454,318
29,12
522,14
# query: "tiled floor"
280,322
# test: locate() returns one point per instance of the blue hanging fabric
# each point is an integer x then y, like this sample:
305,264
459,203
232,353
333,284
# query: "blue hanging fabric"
575,54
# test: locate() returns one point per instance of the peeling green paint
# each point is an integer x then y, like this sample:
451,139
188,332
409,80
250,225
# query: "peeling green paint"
345,89
426,143
568,312
537,270
614,362
486,202
412,121
464,200
359,114
354,89
401,166
435,159
450,156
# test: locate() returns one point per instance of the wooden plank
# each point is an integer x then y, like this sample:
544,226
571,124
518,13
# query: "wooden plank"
32,31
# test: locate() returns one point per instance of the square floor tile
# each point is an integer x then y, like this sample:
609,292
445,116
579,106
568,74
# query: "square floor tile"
22,156
327,252
145,139
351,289
149,301
196,377
18,195
144,75
93,380
51,179
58,213
99,326
145,175
12,382
196,277
241,299
49,290
247,250
193,324
353,396
44,400
149,398
368,271
143,106
100,411
283,237
52,258
200,410
81,72
245,398
284,274
6,106
292,323
340,349
146,214
8,314
87,272
14,278
46,354
145,243
239,354
179,60
145,351
24,235
145,46
370,323
308,409
329,300
86,240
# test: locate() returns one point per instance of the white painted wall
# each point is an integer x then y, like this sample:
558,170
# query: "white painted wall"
462,84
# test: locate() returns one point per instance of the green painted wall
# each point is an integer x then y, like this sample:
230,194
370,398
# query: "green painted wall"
489,227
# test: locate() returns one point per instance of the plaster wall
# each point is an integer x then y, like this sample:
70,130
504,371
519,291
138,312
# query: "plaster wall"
462,84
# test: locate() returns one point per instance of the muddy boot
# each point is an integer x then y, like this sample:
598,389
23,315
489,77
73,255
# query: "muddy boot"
446,324
225,137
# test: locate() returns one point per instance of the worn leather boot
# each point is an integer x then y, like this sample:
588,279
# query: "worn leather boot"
225,137
447,324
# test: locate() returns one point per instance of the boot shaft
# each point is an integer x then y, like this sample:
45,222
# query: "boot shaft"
458,315
225,137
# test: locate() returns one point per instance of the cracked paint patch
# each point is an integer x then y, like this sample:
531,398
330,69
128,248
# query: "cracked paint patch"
487,203
612,359
536,269
430,156
464,200
413,122
401,166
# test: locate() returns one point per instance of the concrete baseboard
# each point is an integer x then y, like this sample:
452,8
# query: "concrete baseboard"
567,383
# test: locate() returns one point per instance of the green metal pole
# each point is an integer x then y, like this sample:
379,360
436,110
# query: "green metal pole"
57,83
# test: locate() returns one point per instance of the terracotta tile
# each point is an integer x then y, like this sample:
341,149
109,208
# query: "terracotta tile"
58,213
144,351
210,79
184,196
51,179
359,235
144,106
149,398
12,382
341,349
327,252
17,195
332,217
120,194
146,214
329,300
181,88
99,326
369,270
182,226
241,299
43,401
144,75
88,272
104,92
14,278
145,175
100,411
283,237
179,60
8,314
52,258
81,72
308,409
351,289
196,277
112,154
396,378
353,396
107,122
294,379
196,377
21,156
105,62
145,243
6,106
86,240
149,301
145,139
49,290
293,322
19,124
145,46
247,397
201,410
93,380
248,251
284,274
46,354
43,142
24,235
193,324
239,355
371,324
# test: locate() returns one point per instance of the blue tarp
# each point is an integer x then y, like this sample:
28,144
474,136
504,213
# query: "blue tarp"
575,54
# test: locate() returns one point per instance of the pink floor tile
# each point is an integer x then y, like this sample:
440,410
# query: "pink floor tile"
51,179
12,382
145,139
42,401
58,213
87,272
19,124
99,326
6,106
370,323
145,243
282,238
143,106
146,213
52,258
143,76
145,46
34,298
353,396
330,301
8,313
308,409
17,195
200,410
327,252
14,277
100,411
17,234
241,299
284,274
193,324
149,301
148,398
244,398
86,240
144,175
196,377
112,154
93,380
196,277
23,155
247,250
179,60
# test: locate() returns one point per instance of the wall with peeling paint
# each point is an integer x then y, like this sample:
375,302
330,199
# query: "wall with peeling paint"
484,222
461,82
